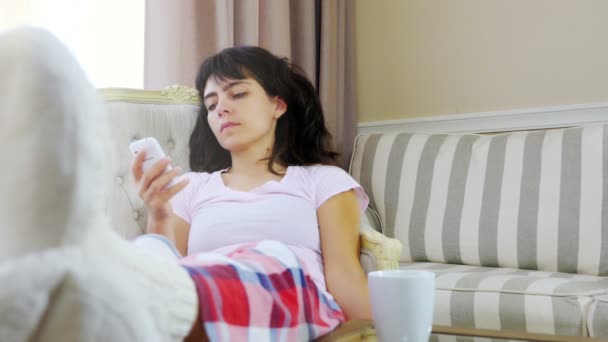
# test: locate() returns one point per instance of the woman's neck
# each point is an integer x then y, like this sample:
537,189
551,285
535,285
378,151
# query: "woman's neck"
252,164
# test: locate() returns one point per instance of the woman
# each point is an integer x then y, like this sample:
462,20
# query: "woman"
267,222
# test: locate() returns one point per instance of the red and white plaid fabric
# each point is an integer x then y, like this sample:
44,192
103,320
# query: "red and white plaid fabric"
260,292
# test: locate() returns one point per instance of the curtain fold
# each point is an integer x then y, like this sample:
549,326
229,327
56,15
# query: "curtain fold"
336,73
316,35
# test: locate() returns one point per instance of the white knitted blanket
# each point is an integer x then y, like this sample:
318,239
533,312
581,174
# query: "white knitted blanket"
64,274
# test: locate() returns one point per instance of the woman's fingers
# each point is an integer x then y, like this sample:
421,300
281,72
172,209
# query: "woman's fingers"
172,191
151,175
159,190
161,182
136,165
153,183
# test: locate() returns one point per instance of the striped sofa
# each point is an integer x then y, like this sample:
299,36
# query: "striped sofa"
514,225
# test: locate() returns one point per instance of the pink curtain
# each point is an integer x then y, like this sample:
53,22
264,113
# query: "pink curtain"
316,35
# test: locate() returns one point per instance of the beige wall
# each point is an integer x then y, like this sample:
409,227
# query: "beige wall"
419,58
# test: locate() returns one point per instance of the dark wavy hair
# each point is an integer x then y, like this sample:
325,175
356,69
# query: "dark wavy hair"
301,137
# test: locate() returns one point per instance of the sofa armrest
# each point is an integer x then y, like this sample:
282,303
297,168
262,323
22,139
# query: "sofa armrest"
383,252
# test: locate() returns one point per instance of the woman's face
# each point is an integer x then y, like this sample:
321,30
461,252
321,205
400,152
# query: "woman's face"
241,114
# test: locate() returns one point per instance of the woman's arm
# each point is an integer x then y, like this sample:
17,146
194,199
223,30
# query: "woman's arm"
339,219
173,228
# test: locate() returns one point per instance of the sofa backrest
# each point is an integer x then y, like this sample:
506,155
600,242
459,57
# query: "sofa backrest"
169,116
531,200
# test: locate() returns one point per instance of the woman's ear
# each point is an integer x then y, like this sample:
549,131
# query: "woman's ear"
280,107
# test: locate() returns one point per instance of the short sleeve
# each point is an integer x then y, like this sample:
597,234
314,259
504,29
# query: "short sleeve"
182,201
331,180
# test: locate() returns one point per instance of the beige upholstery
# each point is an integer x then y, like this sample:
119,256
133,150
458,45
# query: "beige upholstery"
169,115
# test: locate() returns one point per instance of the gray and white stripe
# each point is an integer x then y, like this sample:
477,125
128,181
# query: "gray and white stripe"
531,200
598,311
508,299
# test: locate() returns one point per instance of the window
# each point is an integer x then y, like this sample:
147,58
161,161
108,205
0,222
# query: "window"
106,36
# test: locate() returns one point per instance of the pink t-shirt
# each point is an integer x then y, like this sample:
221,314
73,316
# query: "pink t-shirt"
221,218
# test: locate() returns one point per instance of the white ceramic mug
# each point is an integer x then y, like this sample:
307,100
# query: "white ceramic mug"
402,304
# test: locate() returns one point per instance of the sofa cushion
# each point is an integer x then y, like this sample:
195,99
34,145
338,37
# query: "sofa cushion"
531,200
513,299
598,317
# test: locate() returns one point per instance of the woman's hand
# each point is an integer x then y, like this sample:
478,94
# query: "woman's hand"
153,190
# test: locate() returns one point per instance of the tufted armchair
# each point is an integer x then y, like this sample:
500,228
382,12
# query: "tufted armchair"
169,115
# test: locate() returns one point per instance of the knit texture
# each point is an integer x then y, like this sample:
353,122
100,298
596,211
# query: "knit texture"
65,275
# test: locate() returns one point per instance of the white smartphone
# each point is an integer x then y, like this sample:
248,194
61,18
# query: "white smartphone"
154,152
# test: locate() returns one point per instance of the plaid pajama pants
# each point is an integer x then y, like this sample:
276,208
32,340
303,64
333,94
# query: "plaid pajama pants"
260,292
